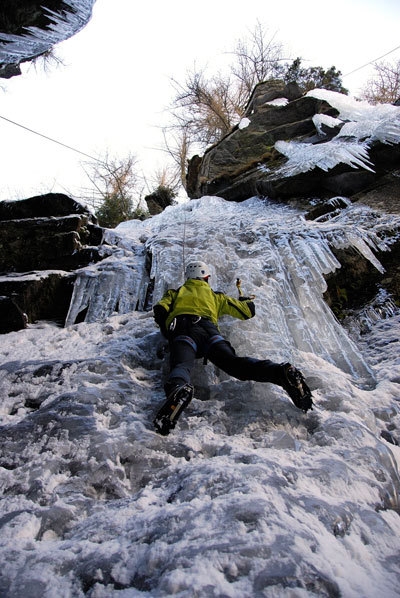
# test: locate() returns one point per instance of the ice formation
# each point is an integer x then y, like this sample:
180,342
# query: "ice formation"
361,123
248,496
16,48
280,256
278,102
244,123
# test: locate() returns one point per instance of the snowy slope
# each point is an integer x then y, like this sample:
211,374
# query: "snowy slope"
248,496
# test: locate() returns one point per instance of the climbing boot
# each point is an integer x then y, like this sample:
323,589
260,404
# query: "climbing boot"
295,385
178,399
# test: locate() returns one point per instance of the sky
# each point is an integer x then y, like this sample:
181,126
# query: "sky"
112,91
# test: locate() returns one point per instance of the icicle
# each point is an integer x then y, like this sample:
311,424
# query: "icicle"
325,119
118,284
280,257
303,157
36,41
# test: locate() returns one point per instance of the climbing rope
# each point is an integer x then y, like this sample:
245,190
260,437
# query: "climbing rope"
183,247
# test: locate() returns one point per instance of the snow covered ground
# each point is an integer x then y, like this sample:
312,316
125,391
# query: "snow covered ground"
248,496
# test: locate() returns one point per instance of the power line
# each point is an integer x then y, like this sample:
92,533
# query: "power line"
371,61
101,162
51,139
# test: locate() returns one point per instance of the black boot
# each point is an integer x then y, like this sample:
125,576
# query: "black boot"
166,418
295,385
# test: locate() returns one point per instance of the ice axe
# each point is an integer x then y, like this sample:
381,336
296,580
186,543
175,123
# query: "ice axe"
239,288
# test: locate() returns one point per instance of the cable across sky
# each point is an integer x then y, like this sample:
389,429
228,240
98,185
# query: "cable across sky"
101,162
51,139
371,62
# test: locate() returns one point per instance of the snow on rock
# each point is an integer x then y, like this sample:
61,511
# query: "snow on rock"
278,102
361,112
244,123
248,496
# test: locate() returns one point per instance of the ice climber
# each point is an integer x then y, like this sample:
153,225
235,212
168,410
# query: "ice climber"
188,318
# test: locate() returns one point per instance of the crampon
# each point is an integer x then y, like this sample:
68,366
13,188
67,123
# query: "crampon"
295,385
178,399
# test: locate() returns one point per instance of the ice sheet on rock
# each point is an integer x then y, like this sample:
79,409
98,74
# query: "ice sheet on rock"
382,307
279,256
14,48
353,110
118,284
363,120
303,157
325,119
362,124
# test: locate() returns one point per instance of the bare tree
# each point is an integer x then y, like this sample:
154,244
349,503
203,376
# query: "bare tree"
115,183
47,61
177,142
200,117
256,59
384,87
166,177
205,108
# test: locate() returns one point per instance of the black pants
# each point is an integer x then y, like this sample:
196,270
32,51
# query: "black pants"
194,338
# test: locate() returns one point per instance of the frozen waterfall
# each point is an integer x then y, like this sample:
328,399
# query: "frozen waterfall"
248,496
280,257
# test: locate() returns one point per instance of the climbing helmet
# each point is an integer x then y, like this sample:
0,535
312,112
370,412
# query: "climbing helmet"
198,270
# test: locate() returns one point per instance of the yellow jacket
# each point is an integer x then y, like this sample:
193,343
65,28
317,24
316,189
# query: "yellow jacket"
197,298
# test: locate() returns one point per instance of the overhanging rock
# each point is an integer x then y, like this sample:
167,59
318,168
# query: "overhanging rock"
246,162
30,28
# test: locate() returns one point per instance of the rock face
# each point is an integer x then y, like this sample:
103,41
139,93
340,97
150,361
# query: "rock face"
43,240
12,317
46,232
245,162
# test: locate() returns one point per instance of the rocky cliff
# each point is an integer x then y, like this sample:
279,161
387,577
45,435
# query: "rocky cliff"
349,153
44,239
247,162
358,161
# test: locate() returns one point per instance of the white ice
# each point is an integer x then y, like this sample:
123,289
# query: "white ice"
248,496
244,123
362,124
14,48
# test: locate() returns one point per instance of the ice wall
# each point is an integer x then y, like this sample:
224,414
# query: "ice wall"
280,257
118,284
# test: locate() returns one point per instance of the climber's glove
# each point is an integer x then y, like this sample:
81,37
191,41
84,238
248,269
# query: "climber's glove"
160,317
